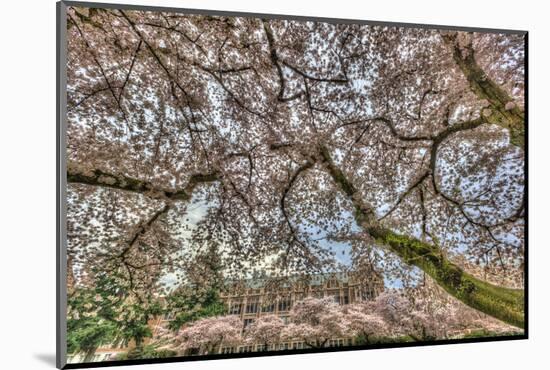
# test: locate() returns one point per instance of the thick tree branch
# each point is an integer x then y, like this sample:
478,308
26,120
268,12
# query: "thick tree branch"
502,110
406,193
293,232
143,228
502,303
122,182
275,60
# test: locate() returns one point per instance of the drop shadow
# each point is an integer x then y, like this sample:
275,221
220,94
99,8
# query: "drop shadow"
46,358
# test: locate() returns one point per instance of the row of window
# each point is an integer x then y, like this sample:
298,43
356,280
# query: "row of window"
263,347
316,281
96,358
249,321
253,305
282,346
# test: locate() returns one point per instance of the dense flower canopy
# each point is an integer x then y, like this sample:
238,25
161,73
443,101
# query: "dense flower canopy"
198,144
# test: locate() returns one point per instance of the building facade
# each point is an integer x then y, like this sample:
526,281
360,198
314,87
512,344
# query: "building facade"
253,298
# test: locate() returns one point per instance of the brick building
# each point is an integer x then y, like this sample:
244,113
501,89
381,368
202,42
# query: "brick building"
255,297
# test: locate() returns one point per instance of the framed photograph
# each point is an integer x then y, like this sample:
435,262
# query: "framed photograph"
235,184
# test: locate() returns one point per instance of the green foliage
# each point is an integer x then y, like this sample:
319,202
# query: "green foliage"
189,307
106,313
483,333
109,313
147,351
362,340
90,318
88,333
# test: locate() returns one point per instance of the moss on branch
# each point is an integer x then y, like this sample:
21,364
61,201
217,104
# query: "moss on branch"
502,303
502,110
122,182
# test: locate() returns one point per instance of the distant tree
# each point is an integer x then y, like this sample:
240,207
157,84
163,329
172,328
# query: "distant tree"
147,351
133,322
187,306
208,335
89,320
105,314
363,322
427,313
314,321
266,330
395,308
86,334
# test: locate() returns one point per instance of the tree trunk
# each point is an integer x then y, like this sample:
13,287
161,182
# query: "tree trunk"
501,110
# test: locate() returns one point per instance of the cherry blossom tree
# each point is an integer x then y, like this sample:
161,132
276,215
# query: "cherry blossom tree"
314,321
393,314
395,309
407,144
266,330
210,334
363,321
427,313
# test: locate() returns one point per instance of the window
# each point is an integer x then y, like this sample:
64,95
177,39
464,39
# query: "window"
317,294
261,348
235,309
247,322
367,294
269,307
252,305
297,345
284,304
284,346
332,283
244,349
227,350
336,297
336,343
345,298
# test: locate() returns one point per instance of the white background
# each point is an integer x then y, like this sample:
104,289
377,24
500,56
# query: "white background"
27,182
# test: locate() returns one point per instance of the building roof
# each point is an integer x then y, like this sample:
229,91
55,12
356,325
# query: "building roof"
287,281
